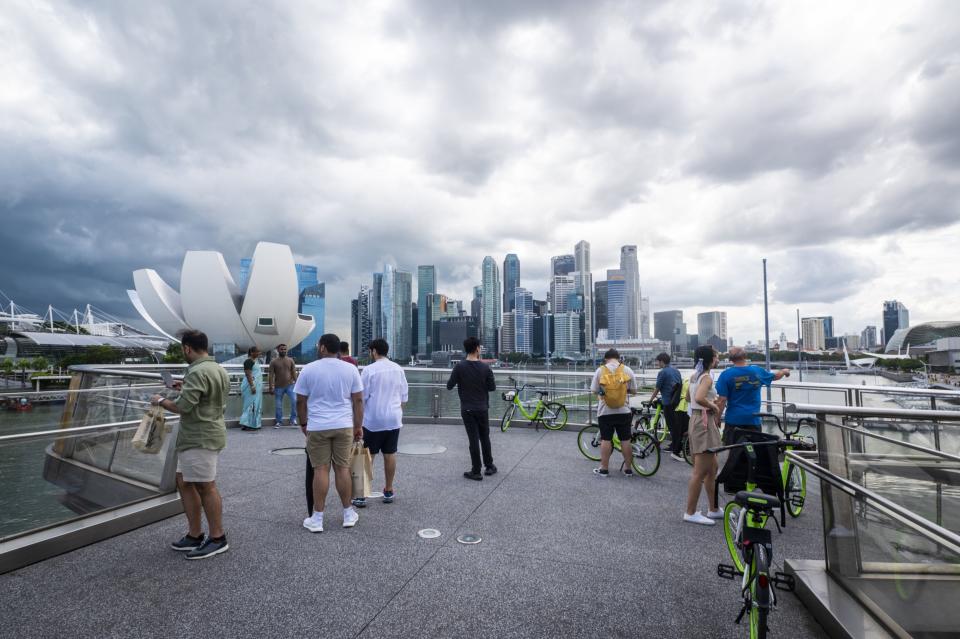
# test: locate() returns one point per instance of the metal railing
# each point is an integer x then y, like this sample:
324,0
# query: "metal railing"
891,517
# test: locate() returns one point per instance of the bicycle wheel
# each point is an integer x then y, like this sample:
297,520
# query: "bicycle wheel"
588,441
660,427
646,454
686,451
795,492
507,417
734,519
760,596
554,415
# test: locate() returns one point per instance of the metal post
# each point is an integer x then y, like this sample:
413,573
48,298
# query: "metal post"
766,325
799,349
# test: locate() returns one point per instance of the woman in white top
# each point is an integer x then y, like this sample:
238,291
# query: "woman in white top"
704,433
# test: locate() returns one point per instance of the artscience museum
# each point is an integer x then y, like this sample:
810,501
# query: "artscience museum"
264,314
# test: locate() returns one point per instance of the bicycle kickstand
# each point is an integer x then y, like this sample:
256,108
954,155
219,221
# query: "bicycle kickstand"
743,611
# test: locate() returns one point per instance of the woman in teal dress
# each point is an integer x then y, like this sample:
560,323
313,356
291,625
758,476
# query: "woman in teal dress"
251,389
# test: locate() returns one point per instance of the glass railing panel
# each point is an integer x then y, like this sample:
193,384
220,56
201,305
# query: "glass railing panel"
56,478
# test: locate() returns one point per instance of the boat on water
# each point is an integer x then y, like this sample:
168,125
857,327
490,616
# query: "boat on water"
18,404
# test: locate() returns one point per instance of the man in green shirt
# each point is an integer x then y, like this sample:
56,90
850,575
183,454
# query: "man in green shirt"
202,435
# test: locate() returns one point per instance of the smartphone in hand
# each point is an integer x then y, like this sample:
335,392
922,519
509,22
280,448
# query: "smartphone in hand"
167,378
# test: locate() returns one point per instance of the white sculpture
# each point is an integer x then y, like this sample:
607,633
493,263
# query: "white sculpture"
265,314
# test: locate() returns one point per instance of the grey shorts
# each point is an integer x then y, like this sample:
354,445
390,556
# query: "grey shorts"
198,464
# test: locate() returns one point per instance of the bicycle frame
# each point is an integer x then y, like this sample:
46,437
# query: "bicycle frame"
537,409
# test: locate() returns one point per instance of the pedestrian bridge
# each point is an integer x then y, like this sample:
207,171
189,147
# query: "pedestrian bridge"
562,553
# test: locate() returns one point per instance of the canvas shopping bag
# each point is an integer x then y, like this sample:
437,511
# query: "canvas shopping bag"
361,470
149,435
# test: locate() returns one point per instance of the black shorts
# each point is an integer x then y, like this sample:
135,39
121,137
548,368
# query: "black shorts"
618,422
381,441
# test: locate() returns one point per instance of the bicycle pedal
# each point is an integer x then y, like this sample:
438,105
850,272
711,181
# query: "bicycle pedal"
783,581
728,572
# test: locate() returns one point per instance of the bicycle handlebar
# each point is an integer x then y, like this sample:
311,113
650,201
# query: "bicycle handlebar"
780,443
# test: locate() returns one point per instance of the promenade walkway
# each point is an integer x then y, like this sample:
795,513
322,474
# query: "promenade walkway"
564,554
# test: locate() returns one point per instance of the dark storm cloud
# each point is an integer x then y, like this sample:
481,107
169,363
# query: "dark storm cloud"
935,125
817,275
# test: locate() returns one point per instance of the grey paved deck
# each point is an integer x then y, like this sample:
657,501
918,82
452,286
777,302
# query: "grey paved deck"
564,554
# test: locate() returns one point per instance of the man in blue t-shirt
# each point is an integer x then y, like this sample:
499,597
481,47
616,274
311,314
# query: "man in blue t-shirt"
739,390
669,379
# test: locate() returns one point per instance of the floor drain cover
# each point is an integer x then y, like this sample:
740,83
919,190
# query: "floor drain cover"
429,533
420,449
469,538
289,451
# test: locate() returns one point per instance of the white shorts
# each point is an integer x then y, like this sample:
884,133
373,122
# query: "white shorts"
198,464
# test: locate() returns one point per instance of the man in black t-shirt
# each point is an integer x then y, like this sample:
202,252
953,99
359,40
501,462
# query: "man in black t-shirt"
474,381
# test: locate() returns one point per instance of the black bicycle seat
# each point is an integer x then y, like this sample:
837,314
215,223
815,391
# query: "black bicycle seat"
757,500
542,393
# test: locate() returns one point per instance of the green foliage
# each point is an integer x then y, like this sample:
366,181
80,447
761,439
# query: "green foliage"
7,366
94,355
40,364
174,354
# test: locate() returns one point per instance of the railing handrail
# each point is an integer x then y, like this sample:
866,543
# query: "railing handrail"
77,430
920,524
865,411
898,442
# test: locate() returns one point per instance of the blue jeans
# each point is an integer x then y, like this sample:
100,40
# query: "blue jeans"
278,393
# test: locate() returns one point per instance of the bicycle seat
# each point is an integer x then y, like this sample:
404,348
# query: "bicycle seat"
757,500
543,393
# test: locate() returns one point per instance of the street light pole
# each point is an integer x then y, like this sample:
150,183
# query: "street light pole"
766,324
799,351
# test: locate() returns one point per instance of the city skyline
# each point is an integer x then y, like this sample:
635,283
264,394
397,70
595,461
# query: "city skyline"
708,136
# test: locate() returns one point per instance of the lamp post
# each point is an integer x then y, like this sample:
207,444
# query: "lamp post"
766,324
799,349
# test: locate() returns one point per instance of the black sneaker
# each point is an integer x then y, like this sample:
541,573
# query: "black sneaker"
359,502
188,543
210,548
491,470
476,476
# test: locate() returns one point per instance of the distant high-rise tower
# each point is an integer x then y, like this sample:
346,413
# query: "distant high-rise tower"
668,326
645,317
814,333
562,264
895,316
600,306
584,284
868,338
617,305
631,275
490,305
712,329
361,326
426,285
524,315
376,307
561,286
476,305
396,311
511,280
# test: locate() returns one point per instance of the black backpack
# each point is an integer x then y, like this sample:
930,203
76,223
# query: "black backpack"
733,476
675,395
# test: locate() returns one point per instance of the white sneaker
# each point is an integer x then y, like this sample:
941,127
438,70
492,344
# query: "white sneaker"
698,518
314,523
715,514
350,517
677,457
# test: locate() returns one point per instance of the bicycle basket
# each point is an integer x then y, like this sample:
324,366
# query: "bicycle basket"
508,396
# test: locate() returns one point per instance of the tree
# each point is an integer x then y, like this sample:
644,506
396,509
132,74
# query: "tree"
7,366
174,354
40,363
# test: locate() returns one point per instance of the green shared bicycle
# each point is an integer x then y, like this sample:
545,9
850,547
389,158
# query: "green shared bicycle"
646,449
748,540
553,415
650,417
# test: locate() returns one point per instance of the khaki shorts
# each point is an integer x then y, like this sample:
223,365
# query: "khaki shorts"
324,446
198,464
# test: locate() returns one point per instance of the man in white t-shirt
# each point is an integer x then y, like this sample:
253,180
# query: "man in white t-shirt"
330,411
385,392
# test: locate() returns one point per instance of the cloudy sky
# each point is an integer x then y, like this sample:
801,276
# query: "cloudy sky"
821,135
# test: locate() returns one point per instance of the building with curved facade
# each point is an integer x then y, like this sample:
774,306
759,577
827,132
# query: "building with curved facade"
263,314
921,335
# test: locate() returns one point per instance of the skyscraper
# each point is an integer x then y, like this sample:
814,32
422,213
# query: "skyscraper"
668,326
712,329
631,276
511,279
312,301
561,286
396,311
868,338
617,311
584,284
476,304
814,334
426,285
895,315
361,327
645,317
523,321
562,264
600,306
508,336
490,305
827,325
376,307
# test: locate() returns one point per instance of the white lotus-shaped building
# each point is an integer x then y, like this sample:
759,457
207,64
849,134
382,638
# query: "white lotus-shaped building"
265,314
